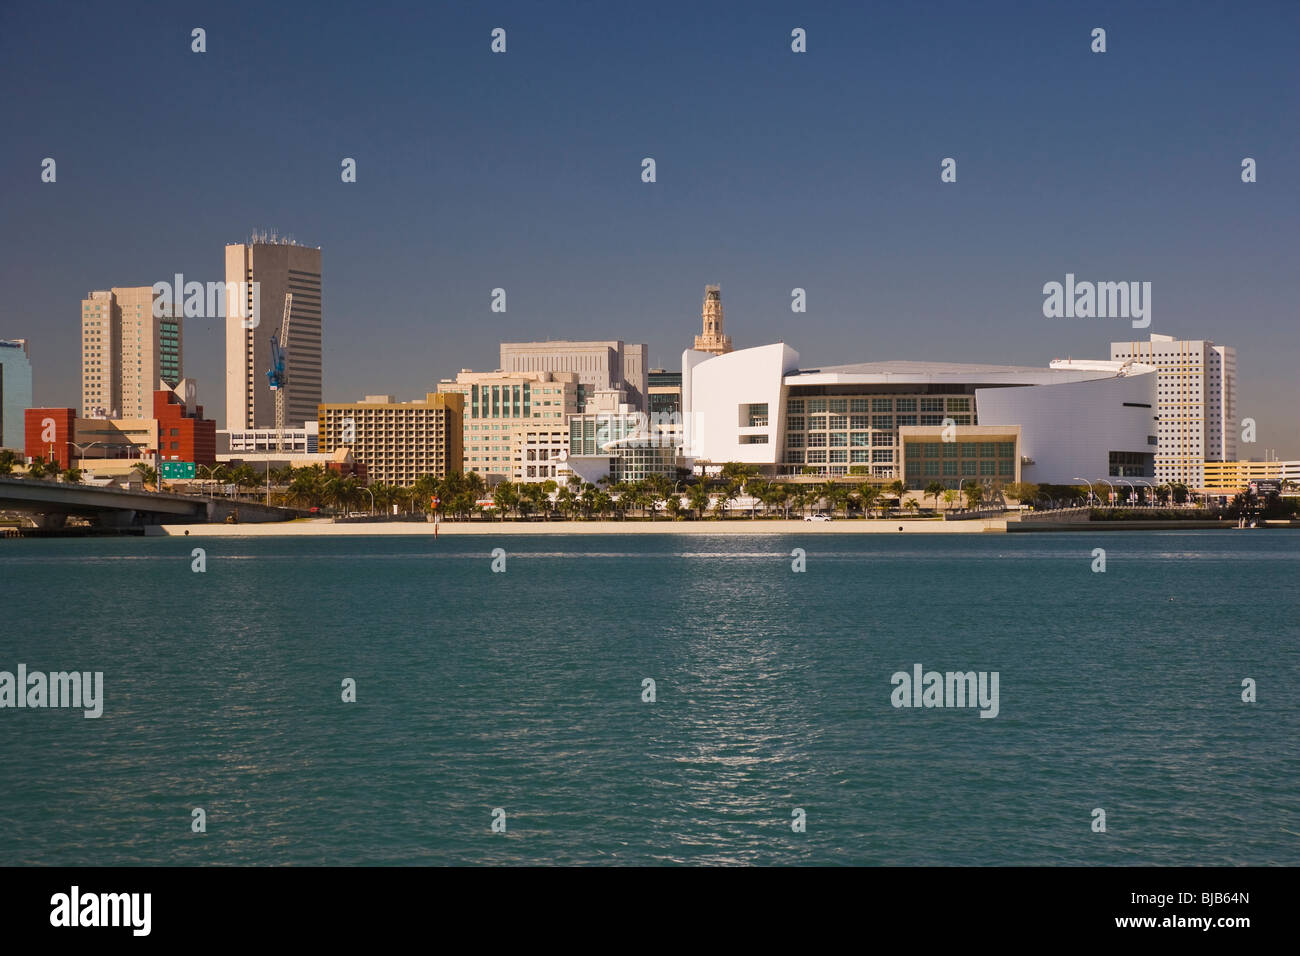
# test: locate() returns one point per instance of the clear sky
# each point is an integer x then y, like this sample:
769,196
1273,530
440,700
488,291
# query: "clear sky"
775,170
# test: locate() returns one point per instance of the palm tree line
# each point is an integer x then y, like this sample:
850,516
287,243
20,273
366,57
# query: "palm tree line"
691,496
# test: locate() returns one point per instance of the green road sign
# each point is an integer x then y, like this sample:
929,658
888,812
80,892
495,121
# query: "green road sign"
177,469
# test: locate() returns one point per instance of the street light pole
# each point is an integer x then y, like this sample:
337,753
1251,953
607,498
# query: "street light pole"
1089,484
1111,487
1132,492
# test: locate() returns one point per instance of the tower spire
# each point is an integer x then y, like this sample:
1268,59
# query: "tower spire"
712,338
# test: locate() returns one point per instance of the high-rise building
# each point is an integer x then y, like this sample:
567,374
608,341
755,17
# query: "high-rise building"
1196,403
126,350
712,338
397,442
516,423
601,366
15,391
277,267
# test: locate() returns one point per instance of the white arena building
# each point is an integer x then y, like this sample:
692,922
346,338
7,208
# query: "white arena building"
922,422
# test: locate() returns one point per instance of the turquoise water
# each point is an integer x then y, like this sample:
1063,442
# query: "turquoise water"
522,691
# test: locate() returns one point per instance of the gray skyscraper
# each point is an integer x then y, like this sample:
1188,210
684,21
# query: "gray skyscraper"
278,267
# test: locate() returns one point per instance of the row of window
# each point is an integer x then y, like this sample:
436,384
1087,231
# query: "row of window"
966,468
798,406
968,449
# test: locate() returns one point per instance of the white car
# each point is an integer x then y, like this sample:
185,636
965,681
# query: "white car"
817,517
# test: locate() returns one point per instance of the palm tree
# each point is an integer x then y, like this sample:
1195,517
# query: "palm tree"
8,459
933,490
698,498
725,496
38,468
72,475
506,498
775,495
974,492
564,500
911,505
656,489
534,494
869,494
245,477
757,489
949,497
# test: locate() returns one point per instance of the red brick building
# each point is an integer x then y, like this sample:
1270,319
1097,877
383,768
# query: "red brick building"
182,435
49,434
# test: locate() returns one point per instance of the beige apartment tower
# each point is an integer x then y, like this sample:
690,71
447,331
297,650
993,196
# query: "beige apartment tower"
516,423
712,338
398,442
1196,403
126,350
277,267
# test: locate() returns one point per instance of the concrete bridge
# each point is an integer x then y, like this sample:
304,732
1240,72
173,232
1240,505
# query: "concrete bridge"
49,504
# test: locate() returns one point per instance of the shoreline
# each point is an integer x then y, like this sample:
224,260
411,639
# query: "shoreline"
738,527
508,528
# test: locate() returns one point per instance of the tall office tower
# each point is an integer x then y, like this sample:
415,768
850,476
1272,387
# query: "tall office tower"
126,351
601,366
713,340
1196,403
15,391
278,266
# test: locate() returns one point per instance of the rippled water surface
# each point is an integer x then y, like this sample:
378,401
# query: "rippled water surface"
523,691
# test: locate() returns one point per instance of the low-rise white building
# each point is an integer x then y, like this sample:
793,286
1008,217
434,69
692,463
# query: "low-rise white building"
757,406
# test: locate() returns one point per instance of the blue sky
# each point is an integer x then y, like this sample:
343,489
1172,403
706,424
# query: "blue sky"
775,170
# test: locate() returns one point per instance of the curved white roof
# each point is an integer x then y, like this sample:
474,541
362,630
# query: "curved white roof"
944,373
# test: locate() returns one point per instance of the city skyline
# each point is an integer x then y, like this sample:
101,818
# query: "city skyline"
774,172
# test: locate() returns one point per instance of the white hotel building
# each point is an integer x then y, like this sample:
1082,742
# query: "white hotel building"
1196,403
886,420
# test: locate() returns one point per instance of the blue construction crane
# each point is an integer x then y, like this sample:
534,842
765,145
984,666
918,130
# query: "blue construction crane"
276,376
